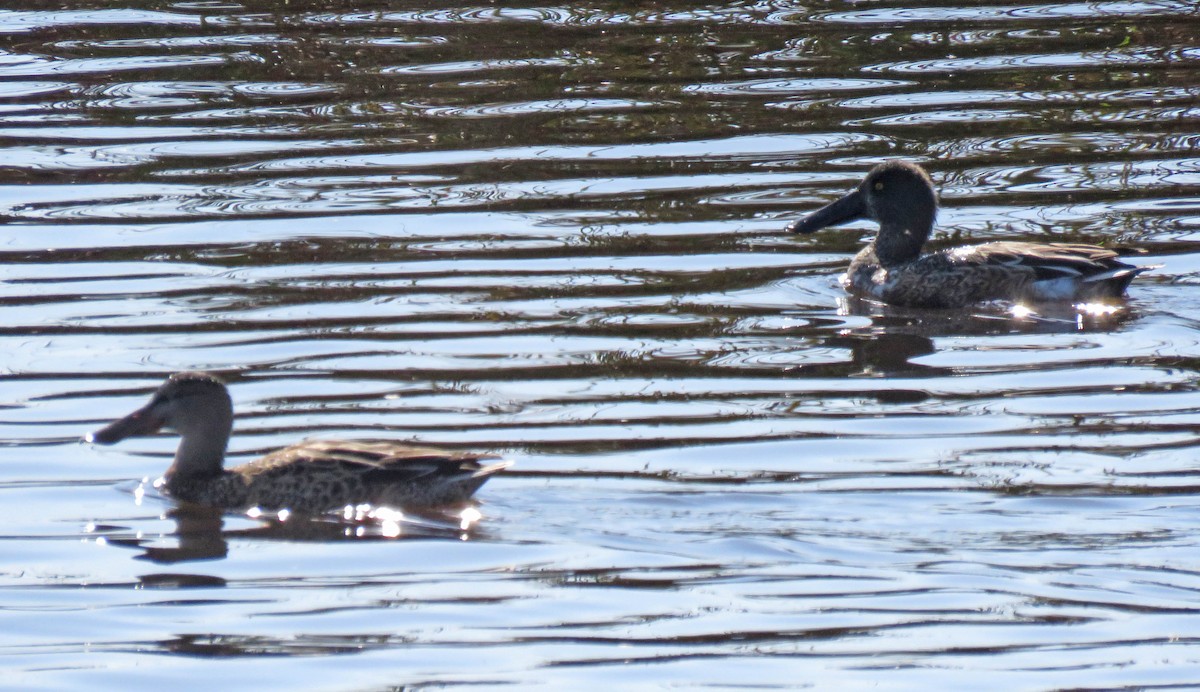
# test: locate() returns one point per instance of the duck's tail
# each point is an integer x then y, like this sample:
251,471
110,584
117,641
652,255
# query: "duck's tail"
1112,283
488,470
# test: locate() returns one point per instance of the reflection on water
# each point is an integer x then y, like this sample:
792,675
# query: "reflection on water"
198,533
556,233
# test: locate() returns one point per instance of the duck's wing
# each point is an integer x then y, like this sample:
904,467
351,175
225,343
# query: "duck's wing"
1046,260
376,461
1052,271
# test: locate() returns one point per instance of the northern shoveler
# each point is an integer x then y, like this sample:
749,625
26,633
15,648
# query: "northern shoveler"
900,197
312,476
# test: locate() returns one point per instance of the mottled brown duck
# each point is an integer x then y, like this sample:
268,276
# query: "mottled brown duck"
312,476
900,197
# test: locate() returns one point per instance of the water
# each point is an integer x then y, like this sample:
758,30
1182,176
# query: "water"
554,232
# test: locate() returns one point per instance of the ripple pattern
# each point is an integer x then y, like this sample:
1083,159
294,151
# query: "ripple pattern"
555,233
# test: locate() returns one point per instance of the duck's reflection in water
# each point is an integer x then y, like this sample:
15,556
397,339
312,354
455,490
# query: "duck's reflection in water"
992,319
201,532
896,336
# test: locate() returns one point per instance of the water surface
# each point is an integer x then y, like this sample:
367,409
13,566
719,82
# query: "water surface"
554,233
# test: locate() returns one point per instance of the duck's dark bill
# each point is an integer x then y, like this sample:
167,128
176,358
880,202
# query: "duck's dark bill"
848,208
140,422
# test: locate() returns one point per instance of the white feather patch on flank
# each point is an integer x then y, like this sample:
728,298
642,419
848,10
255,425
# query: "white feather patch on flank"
1055,289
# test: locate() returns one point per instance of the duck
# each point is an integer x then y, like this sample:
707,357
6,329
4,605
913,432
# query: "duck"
313,476
900,197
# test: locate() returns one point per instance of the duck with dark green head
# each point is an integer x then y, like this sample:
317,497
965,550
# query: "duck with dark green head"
900,197
312,476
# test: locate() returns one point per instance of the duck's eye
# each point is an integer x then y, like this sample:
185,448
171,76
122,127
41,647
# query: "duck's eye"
878,186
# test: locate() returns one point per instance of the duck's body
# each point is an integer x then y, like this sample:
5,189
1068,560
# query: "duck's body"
1011,271
312,476
892,269
322,475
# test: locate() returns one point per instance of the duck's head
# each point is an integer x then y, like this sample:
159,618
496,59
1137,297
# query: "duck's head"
194,404
896,194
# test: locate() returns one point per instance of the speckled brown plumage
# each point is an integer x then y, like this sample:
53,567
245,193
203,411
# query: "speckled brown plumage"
312,476
900,196
322,475
993,271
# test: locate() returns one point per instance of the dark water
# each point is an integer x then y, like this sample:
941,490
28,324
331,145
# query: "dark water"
554,232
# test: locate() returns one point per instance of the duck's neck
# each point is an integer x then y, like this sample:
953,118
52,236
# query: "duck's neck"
901,243
200,454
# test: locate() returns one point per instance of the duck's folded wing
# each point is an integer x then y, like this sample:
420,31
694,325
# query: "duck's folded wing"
397,462
1046,260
